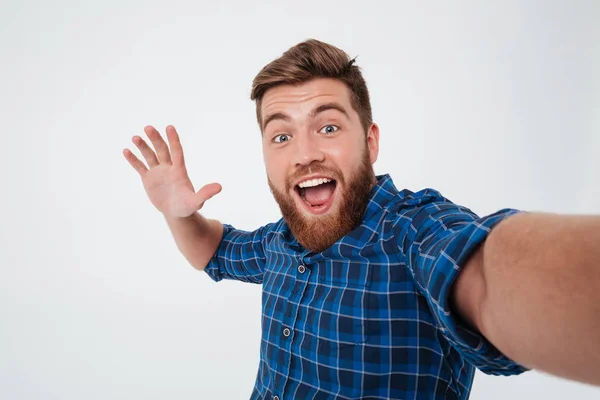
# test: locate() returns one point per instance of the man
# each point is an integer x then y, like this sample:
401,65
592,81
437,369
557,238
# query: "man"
372,292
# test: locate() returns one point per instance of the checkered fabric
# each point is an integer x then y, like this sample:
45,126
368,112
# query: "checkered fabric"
368,318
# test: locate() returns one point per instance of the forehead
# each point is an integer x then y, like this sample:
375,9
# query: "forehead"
305,94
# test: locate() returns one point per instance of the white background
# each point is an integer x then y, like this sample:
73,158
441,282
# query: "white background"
494,105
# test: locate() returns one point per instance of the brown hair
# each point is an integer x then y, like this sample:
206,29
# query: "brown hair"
310,60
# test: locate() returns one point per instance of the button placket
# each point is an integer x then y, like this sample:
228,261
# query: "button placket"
289,321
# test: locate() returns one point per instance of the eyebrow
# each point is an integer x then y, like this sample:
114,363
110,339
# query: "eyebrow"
312,114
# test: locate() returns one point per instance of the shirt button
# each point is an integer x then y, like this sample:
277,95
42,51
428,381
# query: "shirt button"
286,332
301,269
275,397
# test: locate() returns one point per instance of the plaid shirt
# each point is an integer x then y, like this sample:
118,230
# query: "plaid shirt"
368,318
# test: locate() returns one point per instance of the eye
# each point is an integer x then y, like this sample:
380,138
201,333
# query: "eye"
329,129
284,137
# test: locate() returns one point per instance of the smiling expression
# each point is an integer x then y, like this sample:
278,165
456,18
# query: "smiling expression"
318,158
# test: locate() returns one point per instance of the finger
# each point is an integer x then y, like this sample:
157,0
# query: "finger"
135,162
146,150
175,145
207,192
162,150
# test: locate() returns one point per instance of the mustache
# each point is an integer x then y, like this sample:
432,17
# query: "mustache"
310,169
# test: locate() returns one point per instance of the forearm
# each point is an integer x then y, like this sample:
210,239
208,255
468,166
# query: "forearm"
196,237
541,303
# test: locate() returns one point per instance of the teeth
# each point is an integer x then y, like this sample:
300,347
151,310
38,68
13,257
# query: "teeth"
313,182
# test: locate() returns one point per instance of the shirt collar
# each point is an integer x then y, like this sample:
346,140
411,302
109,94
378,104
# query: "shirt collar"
380,196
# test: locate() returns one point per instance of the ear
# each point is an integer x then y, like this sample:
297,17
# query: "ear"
373,142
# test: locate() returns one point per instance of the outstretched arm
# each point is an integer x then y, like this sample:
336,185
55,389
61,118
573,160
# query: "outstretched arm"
220,250
170,190
533,290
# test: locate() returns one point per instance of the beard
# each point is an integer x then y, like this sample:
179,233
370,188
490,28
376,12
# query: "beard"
318,232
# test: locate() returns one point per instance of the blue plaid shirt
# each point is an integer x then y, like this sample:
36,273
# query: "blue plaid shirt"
368,318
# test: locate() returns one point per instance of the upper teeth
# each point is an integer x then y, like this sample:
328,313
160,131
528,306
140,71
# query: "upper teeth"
313,182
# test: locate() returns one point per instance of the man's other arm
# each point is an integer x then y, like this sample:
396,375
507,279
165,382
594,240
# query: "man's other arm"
533,290
196,237
221,251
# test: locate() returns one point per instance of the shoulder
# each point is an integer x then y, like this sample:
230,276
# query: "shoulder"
262,233
421,204
407,199
417,214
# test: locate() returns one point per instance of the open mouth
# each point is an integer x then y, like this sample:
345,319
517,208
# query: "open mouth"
317,194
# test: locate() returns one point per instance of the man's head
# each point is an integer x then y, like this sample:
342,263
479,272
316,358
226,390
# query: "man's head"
319,141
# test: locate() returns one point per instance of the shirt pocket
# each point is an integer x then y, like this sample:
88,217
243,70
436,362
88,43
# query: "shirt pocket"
333,309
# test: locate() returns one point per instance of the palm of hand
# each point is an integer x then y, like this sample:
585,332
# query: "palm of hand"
165,179
170,190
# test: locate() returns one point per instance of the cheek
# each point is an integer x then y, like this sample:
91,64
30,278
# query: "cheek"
345,156
276,169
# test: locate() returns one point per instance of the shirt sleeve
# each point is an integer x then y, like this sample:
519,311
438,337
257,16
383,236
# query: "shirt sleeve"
439,241
240,255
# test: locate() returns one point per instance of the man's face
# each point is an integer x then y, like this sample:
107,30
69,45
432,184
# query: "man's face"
318,159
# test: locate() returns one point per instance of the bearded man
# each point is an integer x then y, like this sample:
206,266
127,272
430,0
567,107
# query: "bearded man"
371,292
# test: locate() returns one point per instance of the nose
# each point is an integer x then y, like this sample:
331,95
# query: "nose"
307,150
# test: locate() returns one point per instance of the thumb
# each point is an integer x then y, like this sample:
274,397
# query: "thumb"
207,192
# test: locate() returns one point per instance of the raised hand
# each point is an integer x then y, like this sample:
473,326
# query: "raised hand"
165,179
